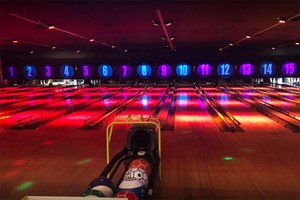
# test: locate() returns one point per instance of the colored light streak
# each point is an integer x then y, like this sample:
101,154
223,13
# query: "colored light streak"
24,186
193,118
144,101
4,117
183,99
85,161
19,162
223,98
253,118
48,142
230,103
12,173
227,158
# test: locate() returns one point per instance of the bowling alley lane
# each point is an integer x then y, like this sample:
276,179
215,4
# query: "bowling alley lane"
250,119
281,104
35,93
50,105
145,105
191,114
289,94
77,119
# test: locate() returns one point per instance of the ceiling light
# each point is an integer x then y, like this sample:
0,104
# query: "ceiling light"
31,52
172,38
78,51
220,49
168,22
230,44
248,36
297,43
163,37
282,20
15,41
51,27
273,48
113,46
53,47
155,22
92,40
125,50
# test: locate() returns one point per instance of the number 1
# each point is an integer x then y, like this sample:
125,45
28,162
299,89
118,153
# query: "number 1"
204,69
124,70
11,71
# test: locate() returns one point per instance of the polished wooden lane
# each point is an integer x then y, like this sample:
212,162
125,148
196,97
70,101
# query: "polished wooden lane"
190,112
250,119
259,163
202,165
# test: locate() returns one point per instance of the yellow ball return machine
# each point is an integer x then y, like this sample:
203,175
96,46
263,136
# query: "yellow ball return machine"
139,163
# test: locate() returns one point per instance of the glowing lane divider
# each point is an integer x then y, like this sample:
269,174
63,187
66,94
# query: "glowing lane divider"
290,114
4,117
129,121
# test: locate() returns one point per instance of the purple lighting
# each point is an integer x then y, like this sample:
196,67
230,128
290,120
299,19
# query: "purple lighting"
246,69
289,69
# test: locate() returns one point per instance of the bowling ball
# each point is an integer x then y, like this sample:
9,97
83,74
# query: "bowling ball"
103,185
141,163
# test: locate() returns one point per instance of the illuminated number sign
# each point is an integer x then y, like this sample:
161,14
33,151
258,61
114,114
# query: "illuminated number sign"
267,69
144,70
225,70
11,72
85,71
183,70
48,71
105,71
204,70
164,71
246,69
124,71
289,69
66,71
29,72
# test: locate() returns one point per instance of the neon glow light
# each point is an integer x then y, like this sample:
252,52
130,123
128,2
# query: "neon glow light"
289,69
124,71
85,71
204,70
144,70
105,71
66,71
225,70
183,70
164,71
267,69
48,71
11,72
246,69
29,72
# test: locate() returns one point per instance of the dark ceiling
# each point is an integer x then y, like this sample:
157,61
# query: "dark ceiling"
200,29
